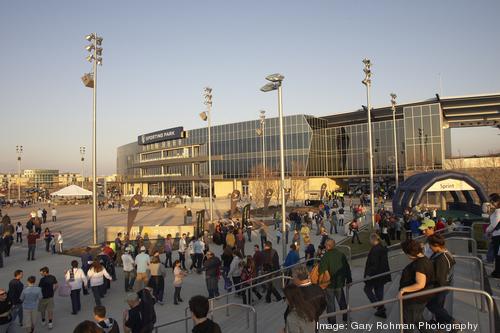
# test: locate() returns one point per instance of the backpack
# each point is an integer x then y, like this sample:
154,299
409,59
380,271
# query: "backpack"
323,279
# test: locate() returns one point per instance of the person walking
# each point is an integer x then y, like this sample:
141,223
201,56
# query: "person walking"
418,275
263,236
212,272
167,248
19,232
142,261
47,237
301,315
157,279
335,263
76,279
182,250
128,269
292,257
271,263
32,237
54,214
107,324
179,275
96,275
8,240
59,242
14,294
30,297
377,263
248,275
48,284
354,228
235,269
6,306
443,262
199,307
494,230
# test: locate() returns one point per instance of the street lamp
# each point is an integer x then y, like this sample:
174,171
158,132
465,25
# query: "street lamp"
90,81
396,166
19,151
82,159
261,131
275,83
206,116
368,82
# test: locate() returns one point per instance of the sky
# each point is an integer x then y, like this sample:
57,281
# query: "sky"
159,55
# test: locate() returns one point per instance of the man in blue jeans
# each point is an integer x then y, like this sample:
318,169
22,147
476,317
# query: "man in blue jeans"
335,262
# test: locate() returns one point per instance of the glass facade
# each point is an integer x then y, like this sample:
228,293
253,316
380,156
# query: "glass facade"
313,148
423,137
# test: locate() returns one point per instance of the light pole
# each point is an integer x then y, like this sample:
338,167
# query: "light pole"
19,151
261,131
396,166
90,80
82,159
275,83
206,116
368,82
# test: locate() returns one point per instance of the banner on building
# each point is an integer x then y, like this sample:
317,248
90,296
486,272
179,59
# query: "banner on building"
287,194
245,216
267,197
322,191
235,198
133,208
200,223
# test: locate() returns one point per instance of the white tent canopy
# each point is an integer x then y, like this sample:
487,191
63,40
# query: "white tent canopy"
72,191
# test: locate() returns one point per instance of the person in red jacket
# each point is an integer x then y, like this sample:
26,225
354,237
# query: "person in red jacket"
440,225
32,237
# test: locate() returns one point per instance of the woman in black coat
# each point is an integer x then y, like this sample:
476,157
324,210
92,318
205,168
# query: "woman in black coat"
377,263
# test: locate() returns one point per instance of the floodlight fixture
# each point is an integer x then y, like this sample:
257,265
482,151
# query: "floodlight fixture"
204,116
269,87
276,77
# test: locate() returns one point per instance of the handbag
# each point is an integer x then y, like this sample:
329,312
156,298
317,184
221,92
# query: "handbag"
64,290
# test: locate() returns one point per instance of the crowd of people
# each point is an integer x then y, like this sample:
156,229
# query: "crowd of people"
317,284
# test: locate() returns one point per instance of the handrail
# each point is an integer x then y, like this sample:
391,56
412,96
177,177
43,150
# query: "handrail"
251,286
472,240
417,294
281,270
211,311
349,285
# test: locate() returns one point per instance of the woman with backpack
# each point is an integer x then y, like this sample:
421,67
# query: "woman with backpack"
354,228
248,275
77,280
443,276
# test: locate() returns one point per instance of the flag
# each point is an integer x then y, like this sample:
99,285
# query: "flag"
267,197
133,208
245,216
322,191
235,198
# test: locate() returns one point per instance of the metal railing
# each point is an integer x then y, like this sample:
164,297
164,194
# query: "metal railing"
281,271
186,318
476,259
245,289
487,296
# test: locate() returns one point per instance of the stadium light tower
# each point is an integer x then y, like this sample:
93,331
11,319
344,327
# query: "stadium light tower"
206,116
261,131
368,83
19,151
82,159
90,81
396,166
275,83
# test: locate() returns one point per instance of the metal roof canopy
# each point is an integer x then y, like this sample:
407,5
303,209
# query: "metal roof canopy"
411,191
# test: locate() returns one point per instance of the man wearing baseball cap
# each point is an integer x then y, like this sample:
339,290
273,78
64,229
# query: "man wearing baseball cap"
142,265
427,228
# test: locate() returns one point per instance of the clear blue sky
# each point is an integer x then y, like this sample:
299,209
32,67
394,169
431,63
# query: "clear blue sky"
158,56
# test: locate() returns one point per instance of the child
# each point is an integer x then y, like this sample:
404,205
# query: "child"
19,233
278,235
179,276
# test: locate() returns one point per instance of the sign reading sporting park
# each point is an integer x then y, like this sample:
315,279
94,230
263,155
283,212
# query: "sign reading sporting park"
450,185
163,135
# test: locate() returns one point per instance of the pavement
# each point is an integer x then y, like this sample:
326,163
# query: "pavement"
75,223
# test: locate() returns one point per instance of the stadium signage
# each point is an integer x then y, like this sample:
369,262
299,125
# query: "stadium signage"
163,135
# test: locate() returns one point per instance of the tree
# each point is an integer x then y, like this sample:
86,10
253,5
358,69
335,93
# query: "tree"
298,179
262,179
